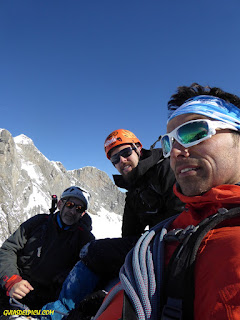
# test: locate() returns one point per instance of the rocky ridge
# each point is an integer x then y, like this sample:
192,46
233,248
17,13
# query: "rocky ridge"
28,179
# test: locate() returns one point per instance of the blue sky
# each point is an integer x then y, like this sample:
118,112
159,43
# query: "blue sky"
73,71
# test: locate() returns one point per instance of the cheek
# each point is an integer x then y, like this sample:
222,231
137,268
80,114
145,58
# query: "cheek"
172,162
117,166
134,158
79,216
221,157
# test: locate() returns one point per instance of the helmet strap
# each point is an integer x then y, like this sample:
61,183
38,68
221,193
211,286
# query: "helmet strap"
136,150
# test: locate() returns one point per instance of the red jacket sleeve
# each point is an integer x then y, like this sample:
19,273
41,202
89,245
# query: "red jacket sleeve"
217,276
11,282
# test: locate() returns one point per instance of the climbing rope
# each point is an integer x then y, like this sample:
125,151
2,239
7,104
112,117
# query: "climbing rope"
141,275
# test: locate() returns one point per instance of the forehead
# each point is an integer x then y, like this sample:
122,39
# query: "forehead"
177,121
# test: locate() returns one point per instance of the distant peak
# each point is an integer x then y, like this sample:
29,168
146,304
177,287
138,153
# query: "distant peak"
22,139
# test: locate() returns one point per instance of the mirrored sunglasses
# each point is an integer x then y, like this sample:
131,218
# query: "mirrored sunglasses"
71,204
192,133
125,153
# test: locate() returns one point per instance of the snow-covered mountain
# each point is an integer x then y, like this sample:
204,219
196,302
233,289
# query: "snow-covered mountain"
28,179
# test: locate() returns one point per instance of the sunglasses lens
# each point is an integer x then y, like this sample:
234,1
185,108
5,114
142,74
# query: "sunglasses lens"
79,209
192,132
115,159
123,153
166,145
126,152
70,204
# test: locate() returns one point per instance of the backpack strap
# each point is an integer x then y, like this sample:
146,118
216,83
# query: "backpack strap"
179,285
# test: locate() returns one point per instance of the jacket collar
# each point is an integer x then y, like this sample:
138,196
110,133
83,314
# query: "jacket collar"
199,207
226,193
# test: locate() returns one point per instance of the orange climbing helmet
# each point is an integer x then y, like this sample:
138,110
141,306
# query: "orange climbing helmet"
119,137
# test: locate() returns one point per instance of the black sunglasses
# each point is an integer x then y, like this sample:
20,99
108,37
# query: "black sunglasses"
71,204
123,153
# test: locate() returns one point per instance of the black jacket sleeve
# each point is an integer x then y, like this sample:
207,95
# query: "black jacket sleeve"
131,224
12,246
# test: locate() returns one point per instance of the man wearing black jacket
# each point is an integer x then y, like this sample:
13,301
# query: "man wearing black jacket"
148,178
37,257
150,199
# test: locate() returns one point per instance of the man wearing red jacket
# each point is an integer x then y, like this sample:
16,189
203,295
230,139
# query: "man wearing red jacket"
203,143
207,170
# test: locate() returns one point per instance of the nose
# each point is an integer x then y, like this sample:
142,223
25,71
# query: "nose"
178,150
122,159
73,210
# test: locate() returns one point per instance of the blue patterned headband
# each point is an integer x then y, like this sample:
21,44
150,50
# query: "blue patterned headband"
211,107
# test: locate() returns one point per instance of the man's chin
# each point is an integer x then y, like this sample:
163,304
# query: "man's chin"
128,176
68,222
194,190
126,171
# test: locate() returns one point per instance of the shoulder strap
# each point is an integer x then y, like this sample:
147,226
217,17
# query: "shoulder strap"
179,285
